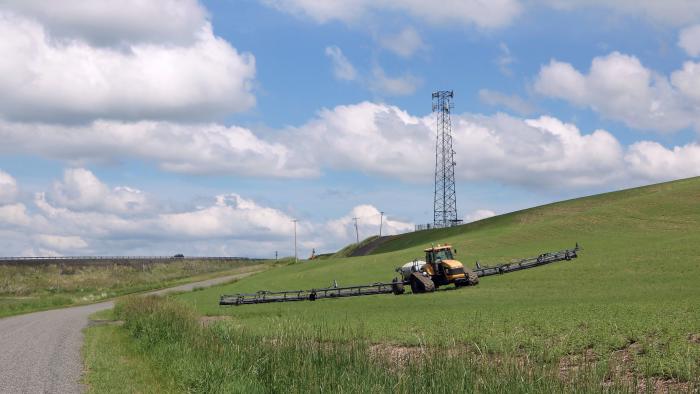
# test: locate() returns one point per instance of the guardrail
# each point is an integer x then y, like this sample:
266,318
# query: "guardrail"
124,258
117,260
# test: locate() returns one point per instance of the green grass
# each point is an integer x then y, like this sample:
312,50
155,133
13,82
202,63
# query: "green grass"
635,286
113,364
32,288
226,358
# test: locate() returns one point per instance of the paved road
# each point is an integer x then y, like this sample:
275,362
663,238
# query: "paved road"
40,352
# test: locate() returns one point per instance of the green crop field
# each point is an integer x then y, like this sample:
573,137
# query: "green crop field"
626,313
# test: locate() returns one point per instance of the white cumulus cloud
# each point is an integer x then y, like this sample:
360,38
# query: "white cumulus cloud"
111,22
689,40
619,87
81,190
230,216
372,138
369,218
61,243
191,148
8,188
51,79
479,214
81,214
652,161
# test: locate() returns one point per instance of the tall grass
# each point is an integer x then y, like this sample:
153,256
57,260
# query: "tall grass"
25,288
223,357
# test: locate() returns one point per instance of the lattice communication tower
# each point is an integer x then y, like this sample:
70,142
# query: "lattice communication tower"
445,202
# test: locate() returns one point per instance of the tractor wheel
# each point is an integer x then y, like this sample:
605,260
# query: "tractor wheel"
421,284
415,289
397,287
472,278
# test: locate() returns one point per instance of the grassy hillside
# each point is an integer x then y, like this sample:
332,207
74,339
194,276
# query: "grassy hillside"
633,296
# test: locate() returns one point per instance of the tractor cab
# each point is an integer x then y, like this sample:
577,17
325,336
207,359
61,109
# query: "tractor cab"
441,262
439,253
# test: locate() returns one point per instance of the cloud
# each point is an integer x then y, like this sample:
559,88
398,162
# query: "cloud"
479,214
181,148
367,137
378,82
44,78
483,14
671,12
81,190
513,102
687,82
652,161
403,85
8,188
534,153
15,215
368,221
342,68
230,216
544,152
689,40
372,138
504,60
111,22
619,87
385,140
405,43
73,221
61,243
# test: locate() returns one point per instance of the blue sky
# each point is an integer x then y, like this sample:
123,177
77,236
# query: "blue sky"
205,127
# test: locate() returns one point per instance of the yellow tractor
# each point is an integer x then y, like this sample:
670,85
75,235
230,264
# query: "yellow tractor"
439,269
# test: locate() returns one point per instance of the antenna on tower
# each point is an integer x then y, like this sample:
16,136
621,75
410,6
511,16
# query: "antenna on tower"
445,200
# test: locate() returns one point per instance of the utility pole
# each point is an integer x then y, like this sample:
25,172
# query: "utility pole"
445,198
296,258
381,220
357,233
275,255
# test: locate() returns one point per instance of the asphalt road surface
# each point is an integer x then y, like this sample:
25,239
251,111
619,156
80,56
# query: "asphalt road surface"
40,352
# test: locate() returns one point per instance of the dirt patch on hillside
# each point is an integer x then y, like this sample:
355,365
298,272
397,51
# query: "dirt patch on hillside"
395,355
369,247
621,366
694,338
398,356
568,369
574,364
207,321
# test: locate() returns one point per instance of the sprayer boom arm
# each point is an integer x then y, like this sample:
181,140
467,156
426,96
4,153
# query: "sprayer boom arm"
396,287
